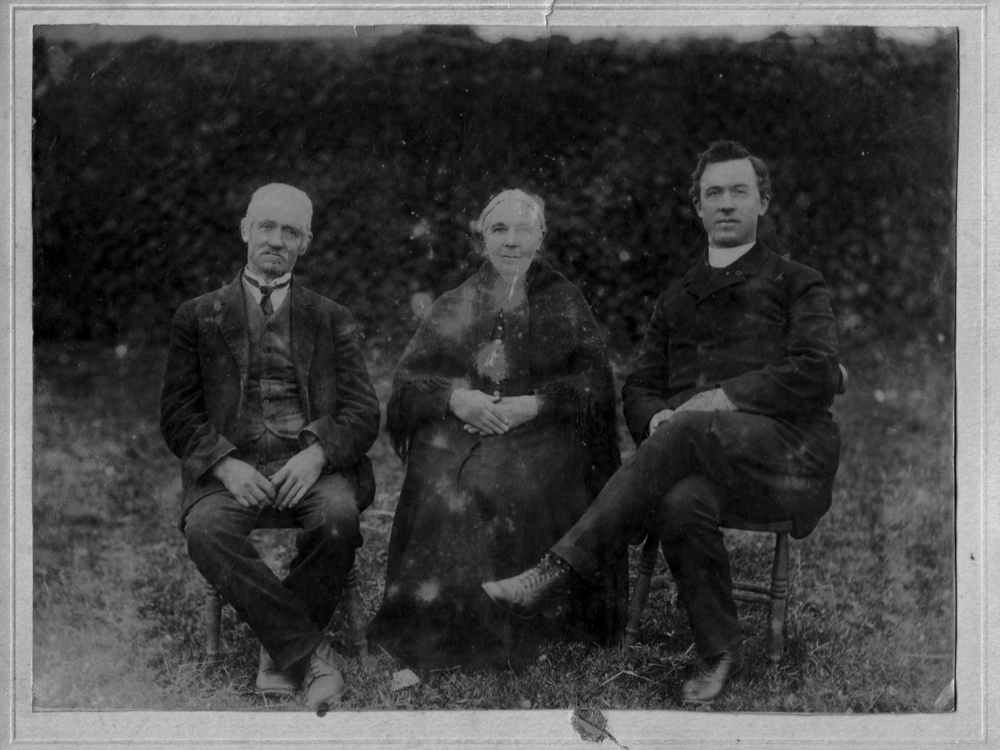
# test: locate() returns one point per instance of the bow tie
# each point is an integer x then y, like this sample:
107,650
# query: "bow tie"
265,293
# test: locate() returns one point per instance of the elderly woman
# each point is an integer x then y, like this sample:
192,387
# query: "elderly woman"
503,399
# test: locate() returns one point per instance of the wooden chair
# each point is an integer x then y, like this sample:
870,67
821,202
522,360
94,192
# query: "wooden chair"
775,595
355,611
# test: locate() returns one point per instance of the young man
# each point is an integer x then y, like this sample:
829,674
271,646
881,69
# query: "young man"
728,402
268,403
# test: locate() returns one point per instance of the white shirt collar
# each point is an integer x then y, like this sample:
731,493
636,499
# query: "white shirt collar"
277,296
264,282
720,257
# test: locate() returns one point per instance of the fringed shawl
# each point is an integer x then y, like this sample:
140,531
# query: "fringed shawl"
550,348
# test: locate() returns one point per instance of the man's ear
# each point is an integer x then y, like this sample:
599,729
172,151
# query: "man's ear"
764,203
245,229
697,206
306,242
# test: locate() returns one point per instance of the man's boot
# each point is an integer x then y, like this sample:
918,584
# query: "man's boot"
535,590
323,681
271,681
713,676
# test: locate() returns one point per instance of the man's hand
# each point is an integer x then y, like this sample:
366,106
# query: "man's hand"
478,410
713,400
293,480
244,482
514,410
658,418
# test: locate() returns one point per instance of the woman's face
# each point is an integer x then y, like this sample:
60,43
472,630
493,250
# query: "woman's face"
512,234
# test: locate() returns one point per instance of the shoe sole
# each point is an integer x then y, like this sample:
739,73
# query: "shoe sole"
550,608
708,701
502,604
324,706
275,692
700,701
705,701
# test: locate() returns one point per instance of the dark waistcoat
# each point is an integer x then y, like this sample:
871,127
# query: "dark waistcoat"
274,404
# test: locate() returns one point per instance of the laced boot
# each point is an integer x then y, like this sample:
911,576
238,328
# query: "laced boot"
323,681
713,676
535,590
271,681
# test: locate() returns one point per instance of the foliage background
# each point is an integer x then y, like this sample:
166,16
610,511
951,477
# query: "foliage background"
145,155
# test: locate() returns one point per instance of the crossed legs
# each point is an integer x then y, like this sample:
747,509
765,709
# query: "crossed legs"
679,482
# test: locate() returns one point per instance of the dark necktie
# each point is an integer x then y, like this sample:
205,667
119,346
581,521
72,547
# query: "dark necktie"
265,294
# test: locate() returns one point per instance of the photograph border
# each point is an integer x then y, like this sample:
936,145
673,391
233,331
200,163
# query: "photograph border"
976,412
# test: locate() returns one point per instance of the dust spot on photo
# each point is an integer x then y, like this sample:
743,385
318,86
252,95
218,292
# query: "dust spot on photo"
428,591
457,501
454,325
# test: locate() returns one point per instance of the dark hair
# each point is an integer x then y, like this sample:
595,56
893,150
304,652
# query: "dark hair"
729,151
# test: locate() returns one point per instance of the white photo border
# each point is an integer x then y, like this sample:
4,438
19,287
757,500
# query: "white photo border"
977,413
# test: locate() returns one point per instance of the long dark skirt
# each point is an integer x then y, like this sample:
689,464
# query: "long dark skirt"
477,509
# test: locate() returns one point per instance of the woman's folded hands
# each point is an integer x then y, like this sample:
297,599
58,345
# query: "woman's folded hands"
486,414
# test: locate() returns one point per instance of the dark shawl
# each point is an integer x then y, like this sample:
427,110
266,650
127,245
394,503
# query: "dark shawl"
551,348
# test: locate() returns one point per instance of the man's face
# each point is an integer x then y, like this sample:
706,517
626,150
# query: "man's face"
512,235
276,236
730,203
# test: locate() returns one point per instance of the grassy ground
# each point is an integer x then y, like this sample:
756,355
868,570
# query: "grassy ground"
117,603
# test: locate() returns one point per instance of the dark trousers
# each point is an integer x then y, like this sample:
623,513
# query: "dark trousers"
288,616
680,481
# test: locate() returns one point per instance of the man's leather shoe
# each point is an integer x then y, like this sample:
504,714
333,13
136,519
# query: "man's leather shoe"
705,686
271,681
534,590
323,681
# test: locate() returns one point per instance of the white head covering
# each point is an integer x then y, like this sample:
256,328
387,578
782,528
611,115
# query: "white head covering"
513,195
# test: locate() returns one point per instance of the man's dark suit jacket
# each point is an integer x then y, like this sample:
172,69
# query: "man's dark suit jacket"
760,329
205,386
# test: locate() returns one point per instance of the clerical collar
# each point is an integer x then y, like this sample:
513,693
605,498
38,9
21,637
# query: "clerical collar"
278,282
720,257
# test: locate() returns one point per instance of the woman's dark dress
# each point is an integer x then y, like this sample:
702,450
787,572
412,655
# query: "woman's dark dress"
474,508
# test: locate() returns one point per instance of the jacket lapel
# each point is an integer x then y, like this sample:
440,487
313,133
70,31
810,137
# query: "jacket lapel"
703,282
305,318
233,327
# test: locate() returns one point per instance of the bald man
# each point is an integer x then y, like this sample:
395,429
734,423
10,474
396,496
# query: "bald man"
268,403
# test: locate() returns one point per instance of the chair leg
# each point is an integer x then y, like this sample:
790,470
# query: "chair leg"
355,613
647,564
213,622
779,596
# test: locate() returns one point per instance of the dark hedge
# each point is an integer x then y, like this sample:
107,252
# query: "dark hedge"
145,154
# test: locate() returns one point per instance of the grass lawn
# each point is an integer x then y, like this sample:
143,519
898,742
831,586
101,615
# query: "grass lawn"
118,604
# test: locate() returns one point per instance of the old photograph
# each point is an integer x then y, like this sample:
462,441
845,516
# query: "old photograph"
441,370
